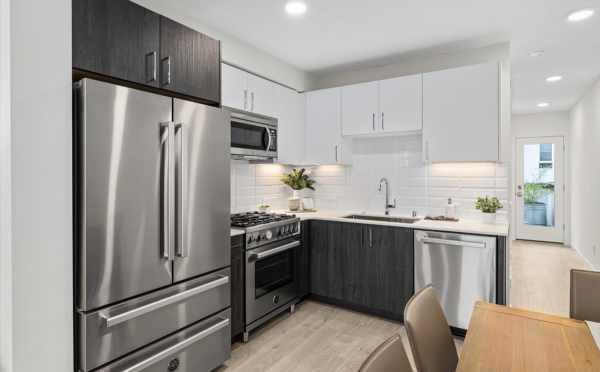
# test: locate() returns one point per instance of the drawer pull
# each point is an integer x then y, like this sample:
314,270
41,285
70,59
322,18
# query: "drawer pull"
178,347
111,321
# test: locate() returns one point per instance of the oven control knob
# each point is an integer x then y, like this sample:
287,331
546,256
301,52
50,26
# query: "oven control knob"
268,234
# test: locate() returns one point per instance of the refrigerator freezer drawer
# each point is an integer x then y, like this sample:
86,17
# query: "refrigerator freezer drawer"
461,267
112,332
199,348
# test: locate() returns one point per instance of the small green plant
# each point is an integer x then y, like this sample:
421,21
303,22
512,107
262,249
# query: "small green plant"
532,192
488,205
298,180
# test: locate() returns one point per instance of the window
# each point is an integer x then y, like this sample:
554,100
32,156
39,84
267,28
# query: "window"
545,156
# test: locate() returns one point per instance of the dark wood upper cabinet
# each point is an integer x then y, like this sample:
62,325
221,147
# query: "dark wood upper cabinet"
190,61
116,38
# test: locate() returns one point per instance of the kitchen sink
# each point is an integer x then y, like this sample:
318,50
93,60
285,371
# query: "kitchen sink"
382,218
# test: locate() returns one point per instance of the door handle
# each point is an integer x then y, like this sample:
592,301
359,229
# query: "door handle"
151,67
274,251
519,194
457,243
181,249
111,321
178,347
373,121
166,187
167,61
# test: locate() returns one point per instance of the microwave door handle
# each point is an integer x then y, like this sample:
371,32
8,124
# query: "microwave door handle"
270,139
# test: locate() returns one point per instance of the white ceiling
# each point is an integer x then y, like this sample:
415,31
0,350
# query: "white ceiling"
335,34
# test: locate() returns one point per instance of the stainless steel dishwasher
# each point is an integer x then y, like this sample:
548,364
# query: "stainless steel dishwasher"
461,267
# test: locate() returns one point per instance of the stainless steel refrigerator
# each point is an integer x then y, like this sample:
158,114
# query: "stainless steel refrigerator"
151,230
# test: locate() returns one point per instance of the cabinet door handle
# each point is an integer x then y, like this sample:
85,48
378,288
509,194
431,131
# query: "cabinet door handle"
426,150
245,99
335,153
370,238
373,121
166,61
151,67
383,121
252,101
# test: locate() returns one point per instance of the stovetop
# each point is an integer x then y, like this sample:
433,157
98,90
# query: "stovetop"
252,219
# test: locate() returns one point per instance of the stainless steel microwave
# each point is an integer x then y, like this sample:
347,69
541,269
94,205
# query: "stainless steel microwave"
253,136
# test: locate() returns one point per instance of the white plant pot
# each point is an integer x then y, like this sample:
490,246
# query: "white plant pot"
488,218
294,201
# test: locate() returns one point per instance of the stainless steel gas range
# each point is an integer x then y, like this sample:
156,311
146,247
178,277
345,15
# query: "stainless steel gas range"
271,278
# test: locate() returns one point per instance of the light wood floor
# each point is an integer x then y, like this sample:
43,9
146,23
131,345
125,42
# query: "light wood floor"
323,338
541,276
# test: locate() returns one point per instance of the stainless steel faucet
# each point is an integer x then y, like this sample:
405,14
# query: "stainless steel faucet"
388,206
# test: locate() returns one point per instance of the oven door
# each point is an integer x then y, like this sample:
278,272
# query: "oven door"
270,278
249,138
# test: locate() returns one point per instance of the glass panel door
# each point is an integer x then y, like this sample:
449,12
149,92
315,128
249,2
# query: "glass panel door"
539,189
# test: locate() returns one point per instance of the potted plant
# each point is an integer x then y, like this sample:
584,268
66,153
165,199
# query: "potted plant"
488,207
535,208
297,180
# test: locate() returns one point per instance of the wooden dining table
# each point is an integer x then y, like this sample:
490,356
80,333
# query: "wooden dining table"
503,339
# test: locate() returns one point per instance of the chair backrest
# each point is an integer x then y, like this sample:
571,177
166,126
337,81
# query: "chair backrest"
585,295
428,333
388,357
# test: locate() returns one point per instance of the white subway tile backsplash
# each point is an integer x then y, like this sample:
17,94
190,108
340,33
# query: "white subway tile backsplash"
415,185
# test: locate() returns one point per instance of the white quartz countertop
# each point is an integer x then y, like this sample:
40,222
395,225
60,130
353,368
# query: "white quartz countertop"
462,226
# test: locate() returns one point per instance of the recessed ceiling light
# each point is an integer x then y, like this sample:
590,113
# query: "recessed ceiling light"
553,79
536,53
543,104
580,15
295,8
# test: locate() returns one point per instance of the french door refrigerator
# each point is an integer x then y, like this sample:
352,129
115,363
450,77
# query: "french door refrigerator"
151,230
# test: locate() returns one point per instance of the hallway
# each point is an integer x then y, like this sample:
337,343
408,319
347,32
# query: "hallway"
540,275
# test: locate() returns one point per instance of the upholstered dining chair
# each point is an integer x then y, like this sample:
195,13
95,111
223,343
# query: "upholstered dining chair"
390,356
428,333
585,295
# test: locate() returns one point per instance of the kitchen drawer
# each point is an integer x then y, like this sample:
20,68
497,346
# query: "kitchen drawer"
199,348
112,332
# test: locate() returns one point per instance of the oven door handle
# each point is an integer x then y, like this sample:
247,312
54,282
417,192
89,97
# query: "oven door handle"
271,252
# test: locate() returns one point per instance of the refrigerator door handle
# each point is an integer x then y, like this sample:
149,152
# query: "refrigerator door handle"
178,347
181,249
111,321
166,187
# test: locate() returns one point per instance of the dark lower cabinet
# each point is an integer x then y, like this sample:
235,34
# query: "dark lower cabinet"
237,286
365,267
190,61
116,38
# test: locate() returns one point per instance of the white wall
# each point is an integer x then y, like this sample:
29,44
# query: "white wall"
550,124
235,51
6,331
42,264
585,175
412,64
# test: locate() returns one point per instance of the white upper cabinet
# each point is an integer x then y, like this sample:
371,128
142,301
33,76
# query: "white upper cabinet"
324,143
291,136
234,87
382,107
360,108
400,104
262,96
248,92
461,115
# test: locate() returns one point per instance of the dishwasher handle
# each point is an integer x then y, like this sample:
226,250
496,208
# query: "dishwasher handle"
458,243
